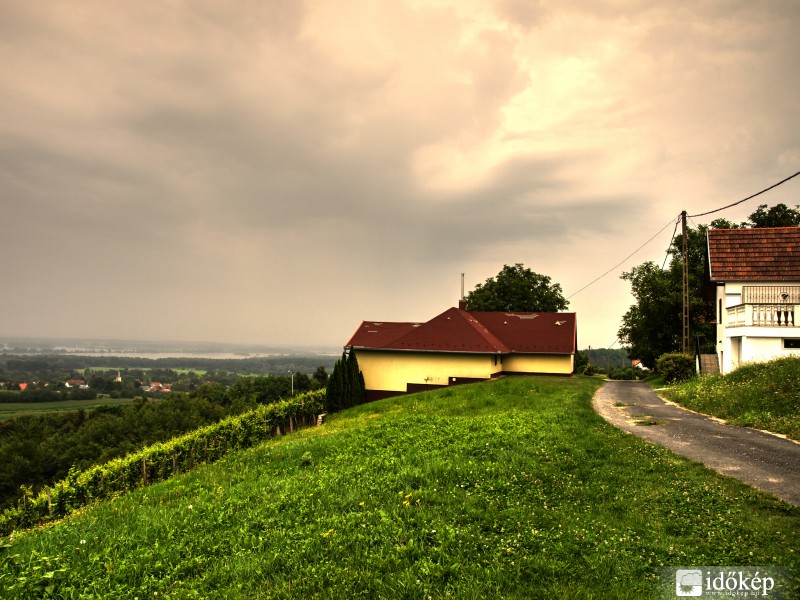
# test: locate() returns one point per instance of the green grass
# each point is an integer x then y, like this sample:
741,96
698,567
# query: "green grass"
508,489
763,395
18,409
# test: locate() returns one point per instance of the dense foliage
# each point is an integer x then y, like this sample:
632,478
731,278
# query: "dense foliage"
37,450
161,461
517,289
761,395
507,489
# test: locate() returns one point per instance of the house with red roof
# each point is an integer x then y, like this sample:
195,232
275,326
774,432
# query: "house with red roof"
460,346
756,273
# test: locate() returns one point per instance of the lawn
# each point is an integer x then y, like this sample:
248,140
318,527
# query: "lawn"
506,489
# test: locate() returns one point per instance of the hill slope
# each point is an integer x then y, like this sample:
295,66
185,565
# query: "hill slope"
512,488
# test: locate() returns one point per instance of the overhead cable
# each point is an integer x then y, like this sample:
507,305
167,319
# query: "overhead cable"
666,256
621,262
748,198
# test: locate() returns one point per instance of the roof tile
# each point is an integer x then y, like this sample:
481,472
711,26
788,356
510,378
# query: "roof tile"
457,330
764,253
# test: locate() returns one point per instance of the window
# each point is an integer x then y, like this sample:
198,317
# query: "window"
789,343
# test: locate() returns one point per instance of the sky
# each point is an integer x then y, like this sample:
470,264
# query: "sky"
264,172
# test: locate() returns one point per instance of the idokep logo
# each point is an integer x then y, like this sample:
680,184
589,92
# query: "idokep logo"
727,582
688,582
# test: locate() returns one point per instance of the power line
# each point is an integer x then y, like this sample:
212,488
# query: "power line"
748,198
666,255
622,262
676,228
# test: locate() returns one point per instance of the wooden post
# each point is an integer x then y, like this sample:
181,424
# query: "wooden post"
685,285
49,504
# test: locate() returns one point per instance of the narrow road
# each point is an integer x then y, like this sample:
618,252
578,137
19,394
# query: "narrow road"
765,461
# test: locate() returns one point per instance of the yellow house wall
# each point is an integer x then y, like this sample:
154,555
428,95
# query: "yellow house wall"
558,364
391,371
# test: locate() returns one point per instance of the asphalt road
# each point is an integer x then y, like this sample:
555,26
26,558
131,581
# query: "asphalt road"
766,461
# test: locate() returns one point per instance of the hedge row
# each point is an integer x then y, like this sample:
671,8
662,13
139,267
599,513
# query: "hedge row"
161,461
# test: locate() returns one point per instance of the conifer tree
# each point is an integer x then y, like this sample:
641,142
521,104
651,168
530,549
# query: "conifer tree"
346,384
357,390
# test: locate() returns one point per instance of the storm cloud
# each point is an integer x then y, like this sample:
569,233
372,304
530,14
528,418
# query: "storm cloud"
275,172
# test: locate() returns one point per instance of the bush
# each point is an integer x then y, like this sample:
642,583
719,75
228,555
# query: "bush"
675,366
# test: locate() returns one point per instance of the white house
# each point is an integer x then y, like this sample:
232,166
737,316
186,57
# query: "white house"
757,277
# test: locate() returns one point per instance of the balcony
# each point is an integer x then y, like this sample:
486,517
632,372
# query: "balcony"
761,315
766,306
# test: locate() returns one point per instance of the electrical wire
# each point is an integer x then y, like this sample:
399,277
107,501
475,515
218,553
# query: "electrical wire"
622,262
666,255
748,198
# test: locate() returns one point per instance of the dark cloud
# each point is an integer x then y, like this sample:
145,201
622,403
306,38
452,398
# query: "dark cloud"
209,171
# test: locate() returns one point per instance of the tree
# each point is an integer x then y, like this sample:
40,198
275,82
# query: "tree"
320,376
517,289
346,384
779,215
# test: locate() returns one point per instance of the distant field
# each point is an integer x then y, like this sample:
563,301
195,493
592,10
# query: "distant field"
180,371
18,409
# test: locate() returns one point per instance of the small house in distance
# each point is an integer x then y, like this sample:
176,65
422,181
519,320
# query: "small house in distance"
460,346
756,273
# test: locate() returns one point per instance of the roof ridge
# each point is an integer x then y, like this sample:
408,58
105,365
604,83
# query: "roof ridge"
484,331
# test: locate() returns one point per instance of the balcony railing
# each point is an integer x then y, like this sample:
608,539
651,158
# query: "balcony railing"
762,315
771,294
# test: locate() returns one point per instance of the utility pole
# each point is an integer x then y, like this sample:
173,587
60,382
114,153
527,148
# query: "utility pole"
685,284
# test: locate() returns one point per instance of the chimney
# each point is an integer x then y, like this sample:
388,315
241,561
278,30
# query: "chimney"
462,304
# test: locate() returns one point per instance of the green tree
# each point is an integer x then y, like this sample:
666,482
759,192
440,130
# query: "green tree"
335,392
346,384
779,215
653,325
357,386
320,376
517,289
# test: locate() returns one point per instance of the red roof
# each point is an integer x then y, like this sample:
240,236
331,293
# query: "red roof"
754,254
457,330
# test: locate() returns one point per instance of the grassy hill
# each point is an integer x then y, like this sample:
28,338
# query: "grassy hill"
512,488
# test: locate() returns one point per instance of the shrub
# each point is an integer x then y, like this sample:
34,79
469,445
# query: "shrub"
675,366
